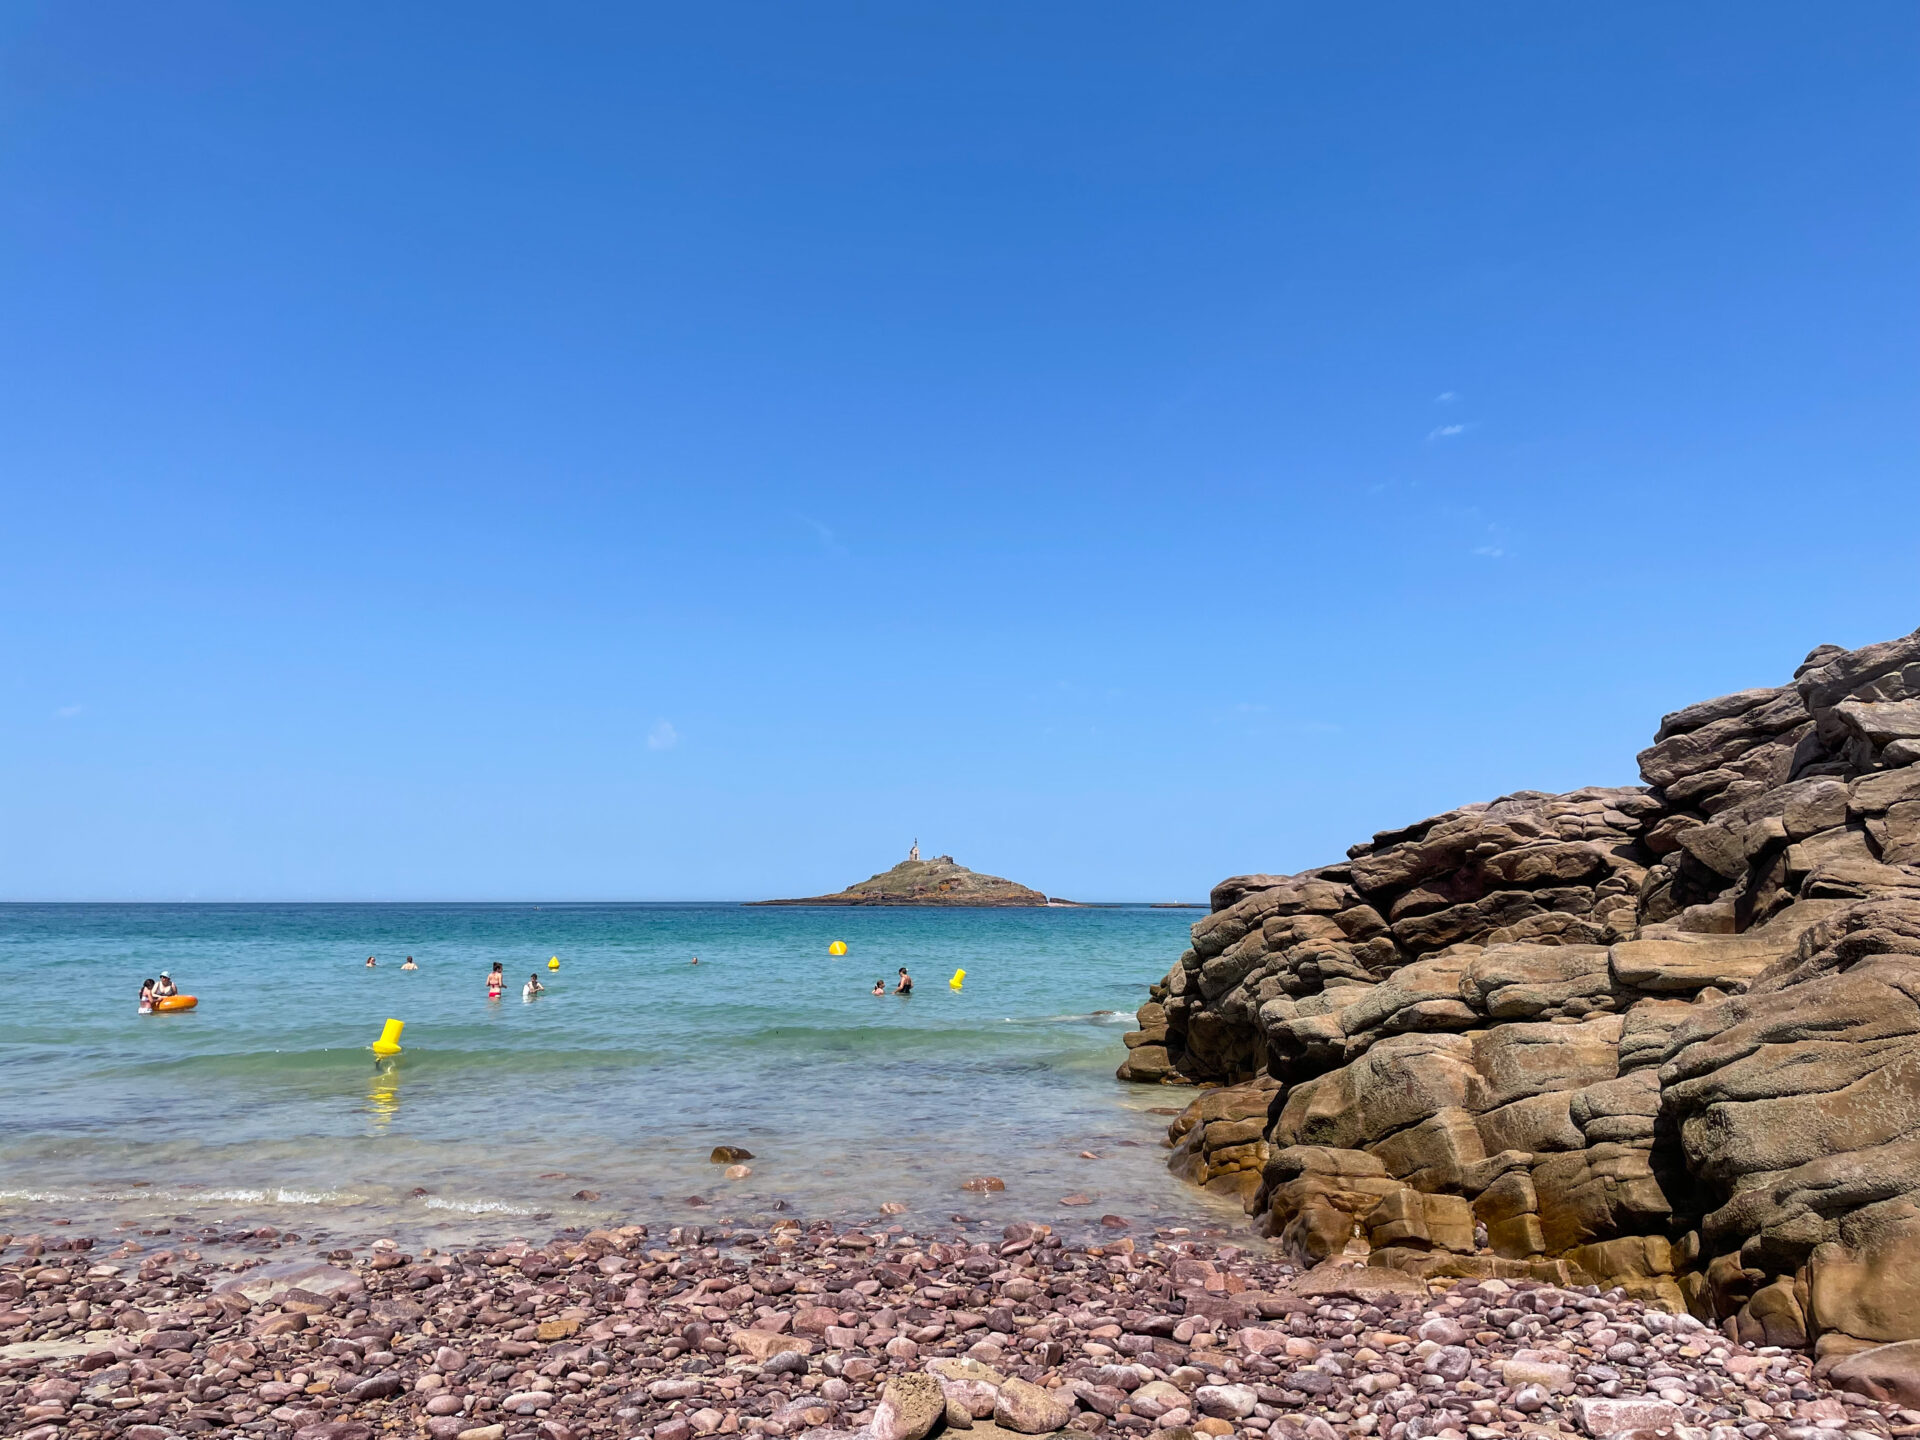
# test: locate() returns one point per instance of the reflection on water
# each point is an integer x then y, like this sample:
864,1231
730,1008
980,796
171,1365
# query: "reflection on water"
383,1093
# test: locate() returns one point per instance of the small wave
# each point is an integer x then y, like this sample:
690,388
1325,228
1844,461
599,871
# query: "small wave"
1097,1017
42,1197
280,1195
477,1207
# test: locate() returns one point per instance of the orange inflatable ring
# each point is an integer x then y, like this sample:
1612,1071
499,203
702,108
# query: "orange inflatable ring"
175,1002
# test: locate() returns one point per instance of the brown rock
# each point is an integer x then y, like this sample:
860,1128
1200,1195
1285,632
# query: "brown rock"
1031,1410
334,1430
815,1320
1603,1418
1884,1372
762,1345
910,1406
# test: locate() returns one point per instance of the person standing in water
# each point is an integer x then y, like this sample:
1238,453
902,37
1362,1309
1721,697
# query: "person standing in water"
905,987
496,981
146,997
165,987
533,988
409,965
879,987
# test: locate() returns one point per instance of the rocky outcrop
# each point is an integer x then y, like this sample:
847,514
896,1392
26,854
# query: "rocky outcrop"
1663,1036
938,881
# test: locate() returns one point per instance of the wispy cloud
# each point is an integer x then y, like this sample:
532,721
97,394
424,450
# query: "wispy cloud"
663,736
1491,552
829,538
1443,432
67,712
1446,397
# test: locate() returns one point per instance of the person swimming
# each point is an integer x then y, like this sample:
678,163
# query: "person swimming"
905,987
496,981
409,965
879,987
165,987
694,961
371,962
533,988
146,997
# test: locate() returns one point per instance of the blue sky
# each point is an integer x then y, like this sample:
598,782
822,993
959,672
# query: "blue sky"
689,451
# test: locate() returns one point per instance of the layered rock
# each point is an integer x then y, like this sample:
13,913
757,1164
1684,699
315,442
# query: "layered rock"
1665,1036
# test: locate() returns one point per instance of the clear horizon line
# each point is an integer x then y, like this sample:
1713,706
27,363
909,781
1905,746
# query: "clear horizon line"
310,900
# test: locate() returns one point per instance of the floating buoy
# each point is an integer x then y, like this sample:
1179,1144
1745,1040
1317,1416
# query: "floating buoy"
838,947
389,1041
554,963
958,976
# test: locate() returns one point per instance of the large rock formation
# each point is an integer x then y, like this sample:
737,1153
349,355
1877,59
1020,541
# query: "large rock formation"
938,881
1665,1037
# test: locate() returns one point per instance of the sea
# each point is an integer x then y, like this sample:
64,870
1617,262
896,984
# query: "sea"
599,1101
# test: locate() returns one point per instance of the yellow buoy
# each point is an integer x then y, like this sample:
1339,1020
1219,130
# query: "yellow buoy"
958,976
389,1041
838,947
554,963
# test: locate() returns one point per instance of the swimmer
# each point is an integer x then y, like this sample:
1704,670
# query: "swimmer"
905,987
166,986
533,988
409,965
146,997
496,981
695,960
879,987
371,962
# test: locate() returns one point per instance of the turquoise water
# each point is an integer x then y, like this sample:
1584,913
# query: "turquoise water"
265,1104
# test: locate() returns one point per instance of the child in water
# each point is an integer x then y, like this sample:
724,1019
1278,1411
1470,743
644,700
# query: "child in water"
534,987
146,997
879,987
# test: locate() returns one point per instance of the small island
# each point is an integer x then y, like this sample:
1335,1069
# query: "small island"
939,881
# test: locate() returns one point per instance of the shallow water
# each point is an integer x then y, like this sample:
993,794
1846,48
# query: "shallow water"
265,1104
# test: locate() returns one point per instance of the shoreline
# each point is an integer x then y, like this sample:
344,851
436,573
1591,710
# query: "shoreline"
807,1328
1125,1173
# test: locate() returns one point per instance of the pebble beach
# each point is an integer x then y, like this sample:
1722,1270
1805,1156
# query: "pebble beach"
881,1332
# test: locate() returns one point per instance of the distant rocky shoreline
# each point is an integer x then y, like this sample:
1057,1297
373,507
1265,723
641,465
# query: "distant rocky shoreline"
1661,1037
